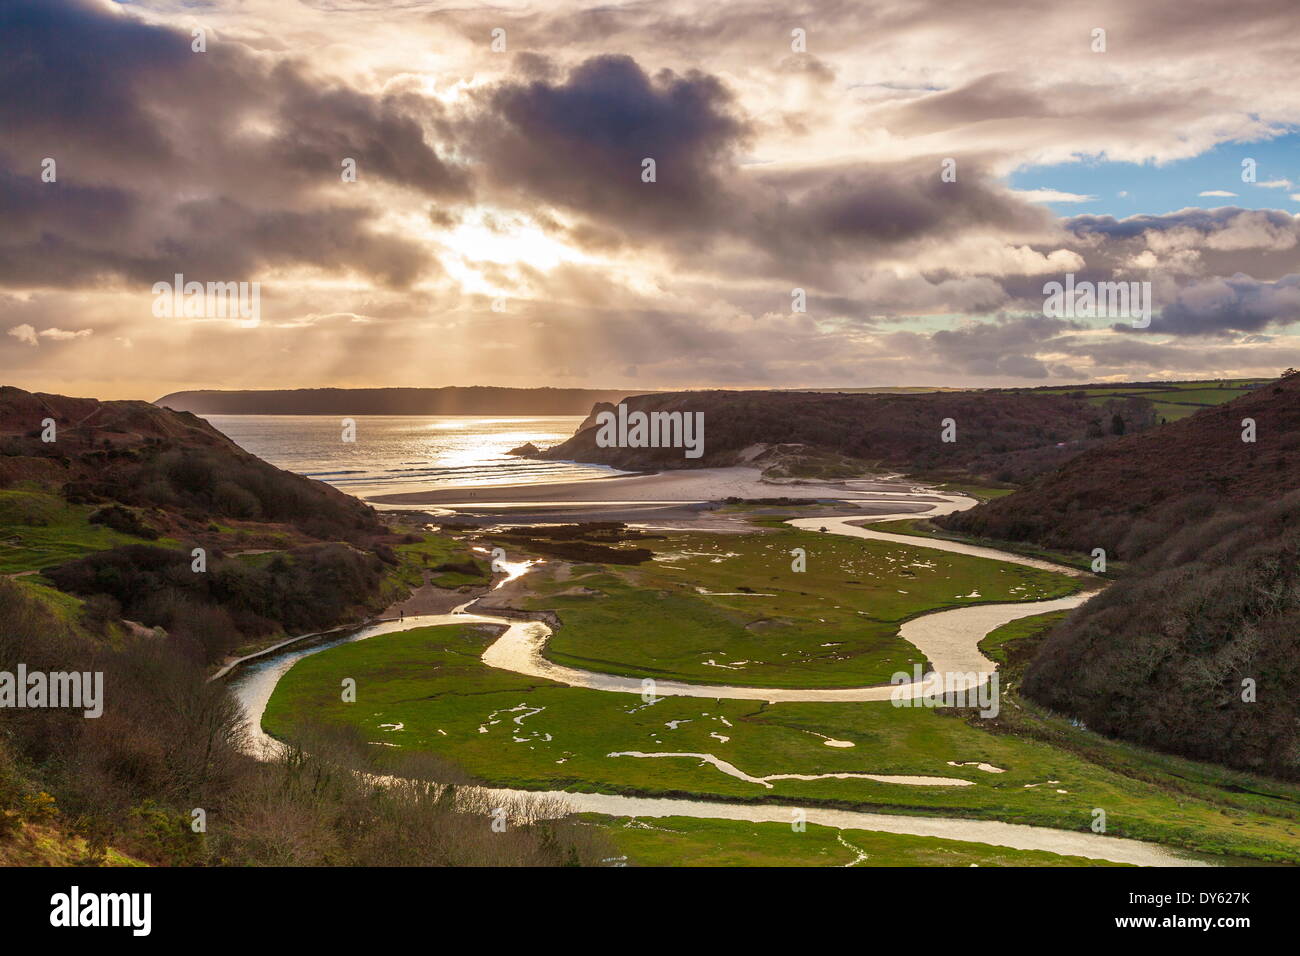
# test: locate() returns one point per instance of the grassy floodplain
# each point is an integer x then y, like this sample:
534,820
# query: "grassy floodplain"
730,608
427,690
923,528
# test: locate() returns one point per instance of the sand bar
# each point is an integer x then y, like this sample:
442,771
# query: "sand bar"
665,487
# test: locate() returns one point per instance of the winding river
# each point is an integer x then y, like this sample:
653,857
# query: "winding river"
948,639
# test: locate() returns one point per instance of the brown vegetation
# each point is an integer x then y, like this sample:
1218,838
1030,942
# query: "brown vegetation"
134,453
1207,611
1130,493
895,431
169,742
595,542
296,591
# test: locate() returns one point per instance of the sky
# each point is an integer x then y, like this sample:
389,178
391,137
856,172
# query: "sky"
912,173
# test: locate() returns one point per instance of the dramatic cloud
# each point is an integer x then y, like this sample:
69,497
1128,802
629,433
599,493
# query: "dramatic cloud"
581,144
1237,304
148,158
851,156
1004,347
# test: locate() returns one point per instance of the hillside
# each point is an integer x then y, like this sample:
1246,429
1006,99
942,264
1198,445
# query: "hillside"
121,789
452,400
1195,650
111,510
1004,436
140,454
1125,495
98,531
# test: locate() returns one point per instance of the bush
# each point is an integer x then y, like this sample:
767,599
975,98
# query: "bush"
125,521
39,808
172,740
313,588
1161,656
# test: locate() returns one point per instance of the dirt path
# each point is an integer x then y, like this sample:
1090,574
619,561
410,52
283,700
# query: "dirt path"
428,598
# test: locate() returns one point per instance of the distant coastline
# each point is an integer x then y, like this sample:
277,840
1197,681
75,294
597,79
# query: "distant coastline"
449,400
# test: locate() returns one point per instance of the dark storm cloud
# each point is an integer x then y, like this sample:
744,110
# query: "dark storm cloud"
139,125
580,143
1207,222
1213,272
71,75
57,234
1227,306
384,135
1225,270
232,239
881,207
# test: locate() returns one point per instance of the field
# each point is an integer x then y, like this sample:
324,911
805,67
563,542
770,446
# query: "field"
427,690
980,492
1175,400
922,528
433,551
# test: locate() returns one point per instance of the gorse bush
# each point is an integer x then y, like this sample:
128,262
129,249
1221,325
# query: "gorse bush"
125,521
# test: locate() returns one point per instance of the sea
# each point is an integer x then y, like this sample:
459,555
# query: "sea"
405,453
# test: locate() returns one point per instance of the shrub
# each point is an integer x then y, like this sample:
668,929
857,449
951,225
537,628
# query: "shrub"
39,808
125,521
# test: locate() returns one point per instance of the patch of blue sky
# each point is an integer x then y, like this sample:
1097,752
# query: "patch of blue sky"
1097,186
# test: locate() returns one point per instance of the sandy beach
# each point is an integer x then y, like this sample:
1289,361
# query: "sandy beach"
688,486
